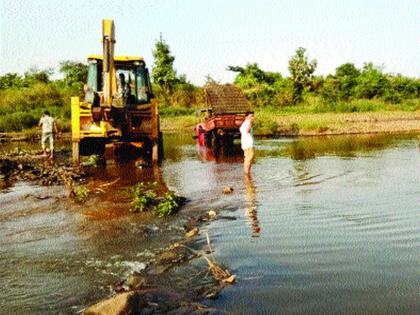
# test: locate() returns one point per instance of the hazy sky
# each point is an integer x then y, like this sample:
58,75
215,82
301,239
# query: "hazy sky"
206,36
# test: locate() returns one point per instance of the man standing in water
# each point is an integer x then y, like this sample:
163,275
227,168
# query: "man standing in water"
49,126
247,141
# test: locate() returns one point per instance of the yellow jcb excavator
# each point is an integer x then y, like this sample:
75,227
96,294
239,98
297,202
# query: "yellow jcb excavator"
118,106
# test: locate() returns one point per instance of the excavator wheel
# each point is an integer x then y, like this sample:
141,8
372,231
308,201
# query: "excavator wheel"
90,146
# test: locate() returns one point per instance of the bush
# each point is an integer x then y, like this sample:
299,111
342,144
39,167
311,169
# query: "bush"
168,205
22,108
81,193
266,127
145,198
18,121
142,197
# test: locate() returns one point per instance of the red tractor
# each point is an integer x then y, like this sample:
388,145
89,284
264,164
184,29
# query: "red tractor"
227,106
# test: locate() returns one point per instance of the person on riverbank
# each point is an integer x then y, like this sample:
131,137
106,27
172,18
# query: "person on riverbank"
48,127
247,141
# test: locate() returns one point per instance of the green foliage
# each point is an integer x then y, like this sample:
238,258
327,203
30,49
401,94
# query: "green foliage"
18,121
92,160
34,76
145,197
168,205
75,74
401,88
347,76
21,108
23,98
301,70
260,87
176,111
163,72
170,89
142,197
186,94
10,80
266,126
81,193
371,82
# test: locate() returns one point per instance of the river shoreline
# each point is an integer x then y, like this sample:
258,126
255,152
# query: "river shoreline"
285,125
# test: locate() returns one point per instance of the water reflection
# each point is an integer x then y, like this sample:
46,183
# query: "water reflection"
220,153
251,206
345,146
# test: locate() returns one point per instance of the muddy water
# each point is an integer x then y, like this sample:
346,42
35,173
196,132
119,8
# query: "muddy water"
57,256
325,225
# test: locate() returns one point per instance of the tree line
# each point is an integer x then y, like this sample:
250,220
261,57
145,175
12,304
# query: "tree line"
24,97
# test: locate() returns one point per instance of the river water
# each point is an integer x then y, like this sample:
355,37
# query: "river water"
325,225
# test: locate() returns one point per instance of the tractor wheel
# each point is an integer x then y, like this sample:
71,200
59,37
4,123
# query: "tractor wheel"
160,147
228,140
208,139
215,140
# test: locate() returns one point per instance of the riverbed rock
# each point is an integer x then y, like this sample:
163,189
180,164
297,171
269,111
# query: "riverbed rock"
135,281
150,301
123,303
193,232
212,214
228,190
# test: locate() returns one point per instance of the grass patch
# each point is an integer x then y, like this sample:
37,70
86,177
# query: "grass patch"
172,111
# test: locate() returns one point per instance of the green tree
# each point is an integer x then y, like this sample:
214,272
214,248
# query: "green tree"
398,88
34,75
346,76
248,77
163,73
75,74
10,80
259,86
301,70
371,82
330,89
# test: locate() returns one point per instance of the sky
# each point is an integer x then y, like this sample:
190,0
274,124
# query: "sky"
207,36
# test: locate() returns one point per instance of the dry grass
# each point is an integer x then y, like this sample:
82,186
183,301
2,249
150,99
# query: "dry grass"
348,123
179,124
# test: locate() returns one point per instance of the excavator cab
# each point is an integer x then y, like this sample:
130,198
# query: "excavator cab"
132,82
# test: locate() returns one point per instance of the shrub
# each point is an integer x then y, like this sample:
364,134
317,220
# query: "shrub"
17,121
142,197
168,205
81,193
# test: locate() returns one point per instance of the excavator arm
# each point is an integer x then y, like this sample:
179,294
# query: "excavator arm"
109,78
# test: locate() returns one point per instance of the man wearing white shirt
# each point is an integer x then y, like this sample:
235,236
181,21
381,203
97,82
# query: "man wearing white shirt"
48,126
247,141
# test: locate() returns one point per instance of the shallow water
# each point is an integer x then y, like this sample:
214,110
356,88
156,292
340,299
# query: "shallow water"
325,225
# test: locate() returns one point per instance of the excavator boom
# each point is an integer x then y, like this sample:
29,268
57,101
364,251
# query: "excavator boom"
109,79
